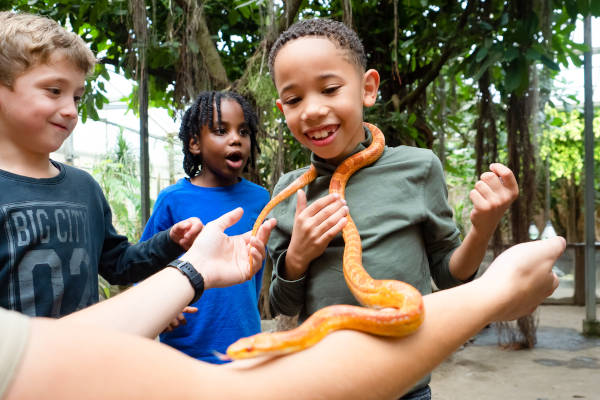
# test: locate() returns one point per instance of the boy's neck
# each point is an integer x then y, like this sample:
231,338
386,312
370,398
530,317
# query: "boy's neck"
18,162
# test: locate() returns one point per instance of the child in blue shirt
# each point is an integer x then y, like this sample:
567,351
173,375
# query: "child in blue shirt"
218,133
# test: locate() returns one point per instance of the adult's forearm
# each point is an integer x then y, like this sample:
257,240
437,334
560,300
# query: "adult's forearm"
349,364
94,362
144,311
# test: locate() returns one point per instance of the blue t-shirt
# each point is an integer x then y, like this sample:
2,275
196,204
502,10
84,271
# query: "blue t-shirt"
224,314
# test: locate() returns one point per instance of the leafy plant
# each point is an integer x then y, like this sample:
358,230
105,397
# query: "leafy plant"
117,175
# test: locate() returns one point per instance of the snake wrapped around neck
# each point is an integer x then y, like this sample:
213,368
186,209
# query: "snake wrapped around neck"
391,307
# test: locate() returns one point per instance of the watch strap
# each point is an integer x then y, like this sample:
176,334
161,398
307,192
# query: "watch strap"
195,278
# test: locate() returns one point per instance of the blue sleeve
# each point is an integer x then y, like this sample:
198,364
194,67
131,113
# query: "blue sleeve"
160,220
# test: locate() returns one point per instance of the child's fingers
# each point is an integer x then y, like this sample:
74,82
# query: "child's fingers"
478,200
190,309
183,225
329,215
334,230
333,218
264,232
257,259
506,176
491,180
194,226
177,230
300,202
257,250
324,202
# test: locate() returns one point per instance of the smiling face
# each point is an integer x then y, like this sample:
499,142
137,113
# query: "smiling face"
322,94
225,149
40,110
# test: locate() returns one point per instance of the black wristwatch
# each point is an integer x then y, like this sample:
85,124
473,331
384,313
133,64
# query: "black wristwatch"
196,279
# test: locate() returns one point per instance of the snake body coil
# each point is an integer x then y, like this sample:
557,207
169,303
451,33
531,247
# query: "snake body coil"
395,307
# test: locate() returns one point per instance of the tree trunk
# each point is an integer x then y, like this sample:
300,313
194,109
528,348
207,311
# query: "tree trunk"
212,59
347,9
138,11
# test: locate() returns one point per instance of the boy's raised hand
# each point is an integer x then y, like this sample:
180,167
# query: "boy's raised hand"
314,227
491,197
225,260
184,232
521,277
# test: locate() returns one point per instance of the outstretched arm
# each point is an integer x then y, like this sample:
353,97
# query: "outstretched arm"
96,363
493,194
147,308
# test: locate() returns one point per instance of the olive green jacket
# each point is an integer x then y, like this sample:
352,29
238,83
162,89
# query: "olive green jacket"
400,207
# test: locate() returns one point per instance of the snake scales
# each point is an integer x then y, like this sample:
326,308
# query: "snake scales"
395,308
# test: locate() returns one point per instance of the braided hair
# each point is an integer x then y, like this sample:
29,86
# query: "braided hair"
201,113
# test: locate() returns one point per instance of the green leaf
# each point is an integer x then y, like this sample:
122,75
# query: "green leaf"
493,58
481,54
583,6
485,26
571,7
595,8
514,75
511,53
549,63
532,54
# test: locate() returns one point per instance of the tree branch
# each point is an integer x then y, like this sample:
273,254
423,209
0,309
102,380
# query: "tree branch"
433,72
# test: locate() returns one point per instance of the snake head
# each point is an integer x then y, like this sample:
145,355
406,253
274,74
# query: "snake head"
261,344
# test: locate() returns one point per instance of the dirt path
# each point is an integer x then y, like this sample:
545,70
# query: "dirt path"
563,365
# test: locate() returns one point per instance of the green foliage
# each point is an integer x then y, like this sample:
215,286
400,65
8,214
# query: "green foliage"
563,144
425,51
118,177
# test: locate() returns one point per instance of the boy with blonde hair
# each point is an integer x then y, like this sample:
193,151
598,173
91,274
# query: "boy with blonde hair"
56,223
399,203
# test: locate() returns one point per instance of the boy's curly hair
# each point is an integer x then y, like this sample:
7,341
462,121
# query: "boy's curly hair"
340,34
27,40
201,113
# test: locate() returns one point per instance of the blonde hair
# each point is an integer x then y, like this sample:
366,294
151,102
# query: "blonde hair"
27,40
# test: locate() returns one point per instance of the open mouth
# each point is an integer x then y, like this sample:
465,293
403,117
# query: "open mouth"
235,160
323,134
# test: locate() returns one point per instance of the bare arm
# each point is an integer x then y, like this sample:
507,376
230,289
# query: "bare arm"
493,194
148,308
106,364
